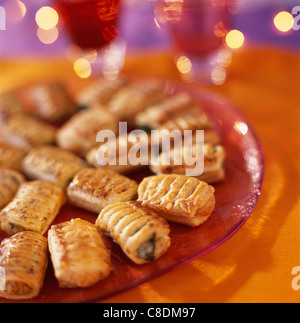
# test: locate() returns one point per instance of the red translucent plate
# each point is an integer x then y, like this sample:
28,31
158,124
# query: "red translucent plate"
235,200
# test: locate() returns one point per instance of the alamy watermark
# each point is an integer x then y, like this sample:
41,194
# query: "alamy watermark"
138,148
296,14
2,18
2,278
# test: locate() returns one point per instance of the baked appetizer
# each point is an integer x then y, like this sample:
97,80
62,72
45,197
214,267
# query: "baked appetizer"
80,132
211,163
134,98
11,156
142,234
10,181
25,131
10,104
101,91
178,198
52,102
52,164
78,253
155,115
23,264
33,209
125,154
93,189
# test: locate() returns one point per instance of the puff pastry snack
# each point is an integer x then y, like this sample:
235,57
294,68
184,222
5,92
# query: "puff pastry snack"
23,260
157,114
125,154
78,253
33,209
101,91
212,163
134,98
93,189
11,156
25,131
10,180
80,132
52,164
10,104
142,234
52,102
178,198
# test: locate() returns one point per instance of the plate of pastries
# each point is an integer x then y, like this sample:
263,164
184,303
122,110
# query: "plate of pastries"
74,229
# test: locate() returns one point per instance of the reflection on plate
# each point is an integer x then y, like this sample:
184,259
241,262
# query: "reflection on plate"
235,200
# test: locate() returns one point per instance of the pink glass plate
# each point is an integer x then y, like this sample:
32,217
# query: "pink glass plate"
236,198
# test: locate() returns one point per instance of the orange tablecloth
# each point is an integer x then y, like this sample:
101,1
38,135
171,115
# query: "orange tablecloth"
256,264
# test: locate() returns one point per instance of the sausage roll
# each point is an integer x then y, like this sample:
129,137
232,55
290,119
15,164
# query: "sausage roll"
135,98
33,209
78,253
178,198
157,114
10,181
212,163
93,189
26,131
52,164
80,132
23,263
11,156
99,92
142,234
52,102
126,154
10,105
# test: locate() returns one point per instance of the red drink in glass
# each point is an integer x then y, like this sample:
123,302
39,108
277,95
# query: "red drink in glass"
91,23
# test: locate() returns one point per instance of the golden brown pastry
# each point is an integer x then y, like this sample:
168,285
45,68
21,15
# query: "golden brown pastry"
100,92
52,164
142,234
78,253
211,162
93,189
135,98
125,154
33,209
10,181
11,156
178,198
23,264
10,104
80,132
157,114
52,102
26,131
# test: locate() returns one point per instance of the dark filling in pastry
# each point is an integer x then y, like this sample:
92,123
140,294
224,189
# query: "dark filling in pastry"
146,249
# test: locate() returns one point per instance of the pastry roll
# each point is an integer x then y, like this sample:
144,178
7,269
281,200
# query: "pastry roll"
10,105
100,92
178,198
11,156
80,132
157,114
52,164
142,234
78,253
26,131
33,209
10,181
52,102
93,189
135,98
23,264
126,154
211,161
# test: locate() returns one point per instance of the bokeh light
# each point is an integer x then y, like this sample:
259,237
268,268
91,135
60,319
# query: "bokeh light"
235,39
46,18
284,21
15,10
184,65
241,127
47,36
82,68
